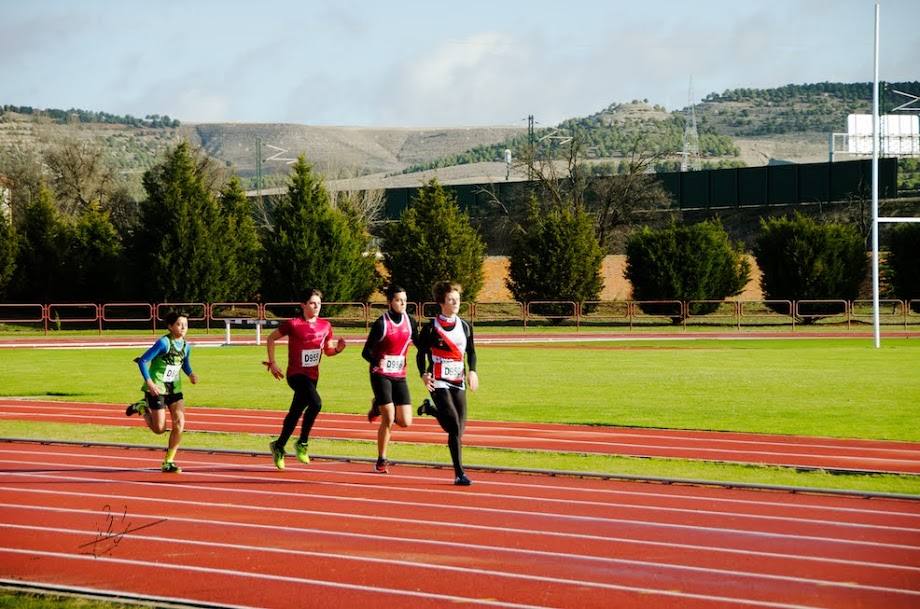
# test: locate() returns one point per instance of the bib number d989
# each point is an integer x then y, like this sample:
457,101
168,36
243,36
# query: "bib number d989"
309,358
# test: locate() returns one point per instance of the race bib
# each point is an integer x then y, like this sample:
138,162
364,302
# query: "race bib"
309,358
394,363
452,370
171,373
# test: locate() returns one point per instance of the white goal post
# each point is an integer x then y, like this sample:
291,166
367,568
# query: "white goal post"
875,217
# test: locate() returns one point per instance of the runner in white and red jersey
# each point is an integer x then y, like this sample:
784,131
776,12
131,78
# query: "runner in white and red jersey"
309,337
443,344
385,350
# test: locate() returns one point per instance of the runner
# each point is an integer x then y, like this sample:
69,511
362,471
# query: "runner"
160,366
385,350
309,337
442,345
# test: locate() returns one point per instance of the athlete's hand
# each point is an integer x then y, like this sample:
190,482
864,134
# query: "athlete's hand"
473,380
274,370
152,388
193,378
428,379
338,347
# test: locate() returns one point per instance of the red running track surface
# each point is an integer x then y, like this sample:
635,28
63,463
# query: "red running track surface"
795,451
233,530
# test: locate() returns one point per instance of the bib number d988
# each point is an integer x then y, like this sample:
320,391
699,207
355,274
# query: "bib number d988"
309,358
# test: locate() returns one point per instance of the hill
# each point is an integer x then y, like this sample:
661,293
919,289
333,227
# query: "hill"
739,126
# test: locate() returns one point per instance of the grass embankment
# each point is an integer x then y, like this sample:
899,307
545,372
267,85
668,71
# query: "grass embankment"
839,388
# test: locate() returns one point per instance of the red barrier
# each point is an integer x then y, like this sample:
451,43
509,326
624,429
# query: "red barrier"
55,310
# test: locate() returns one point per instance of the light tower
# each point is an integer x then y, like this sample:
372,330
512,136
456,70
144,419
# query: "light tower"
690,156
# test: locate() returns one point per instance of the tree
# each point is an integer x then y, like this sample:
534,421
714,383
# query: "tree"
313,245
555,256
40,271
7,251
245,250
903,270
433,241
95,258
181,238
79,175
696,262
801,259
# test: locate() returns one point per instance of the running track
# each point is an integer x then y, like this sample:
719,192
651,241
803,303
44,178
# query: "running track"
794,451
230,530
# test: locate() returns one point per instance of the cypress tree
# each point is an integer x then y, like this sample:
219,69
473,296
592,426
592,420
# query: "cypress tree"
245,249
95,255
40,275
555,255
433,241
903,268
7,253
313,245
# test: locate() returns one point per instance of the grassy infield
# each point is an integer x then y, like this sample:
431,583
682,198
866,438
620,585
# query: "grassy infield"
842,388
832,387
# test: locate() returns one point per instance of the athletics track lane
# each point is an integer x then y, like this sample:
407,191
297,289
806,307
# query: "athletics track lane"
794,451
230,530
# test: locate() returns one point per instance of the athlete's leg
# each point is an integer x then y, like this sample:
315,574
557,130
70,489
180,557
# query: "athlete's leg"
177,413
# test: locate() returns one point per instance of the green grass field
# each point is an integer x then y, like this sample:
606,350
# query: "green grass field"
826,387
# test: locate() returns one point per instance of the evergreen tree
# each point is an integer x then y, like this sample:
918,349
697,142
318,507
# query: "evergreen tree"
903,268
696,262
555,256
801,259
181,236
242,273
40,273
7,252
95,257
433,241
313,245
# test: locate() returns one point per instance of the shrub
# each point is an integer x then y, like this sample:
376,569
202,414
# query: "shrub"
696,262
801,259
903,272
555,256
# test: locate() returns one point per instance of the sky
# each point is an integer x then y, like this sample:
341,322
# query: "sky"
431,63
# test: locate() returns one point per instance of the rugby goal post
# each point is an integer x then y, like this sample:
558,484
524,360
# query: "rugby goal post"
875,154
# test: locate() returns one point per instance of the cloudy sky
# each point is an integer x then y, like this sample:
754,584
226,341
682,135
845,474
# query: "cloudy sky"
427,63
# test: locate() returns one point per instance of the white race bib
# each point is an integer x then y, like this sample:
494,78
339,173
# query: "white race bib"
309,358
452,370
394,363
171,373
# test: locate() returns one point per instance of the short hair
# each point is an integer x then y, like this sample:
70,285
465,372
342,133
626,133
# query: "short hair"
442,288
173,316
392,290
310,294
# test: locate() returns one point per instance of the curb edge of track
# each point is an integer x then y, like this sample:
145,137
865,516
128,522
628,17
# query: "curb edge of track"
511,470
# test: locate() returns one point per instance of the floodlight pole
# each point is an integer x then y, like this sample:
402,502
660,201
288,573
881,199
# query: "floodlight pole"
875,147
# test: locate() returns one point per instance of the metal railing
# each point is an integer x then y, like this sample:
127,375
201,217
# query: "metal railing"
632,314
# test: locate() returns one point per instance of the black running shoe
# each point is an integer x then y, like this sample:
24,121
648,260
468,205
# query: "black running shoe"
425,408
462,480
381,466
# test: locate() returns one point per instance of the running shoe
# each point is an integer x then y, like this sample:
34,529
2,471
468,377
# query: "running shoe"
138,407
462,480
374,413
425,408
381,466
170,467
277,454
301,449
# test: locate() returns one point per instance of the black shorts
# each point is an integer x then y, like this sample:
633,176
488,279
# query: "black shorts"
388,390
159,402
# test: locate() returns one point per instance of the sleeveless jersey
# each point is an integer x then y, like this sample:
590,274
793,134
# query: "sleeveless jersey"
165,368
447,355
306,341
392,347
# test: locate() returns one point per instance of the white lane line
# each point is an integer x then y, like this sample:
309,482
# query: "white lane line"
402,539
335,468
146,566
76,469
485,428
399,521
687,569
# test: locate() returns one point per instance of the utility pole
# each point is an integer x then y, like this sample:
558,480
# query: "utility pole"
259,169
531,143
690,156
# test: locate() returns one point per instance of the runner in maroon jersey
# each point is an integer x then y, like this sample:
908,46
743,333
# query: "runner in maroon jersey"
385,350
442,345
309,337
